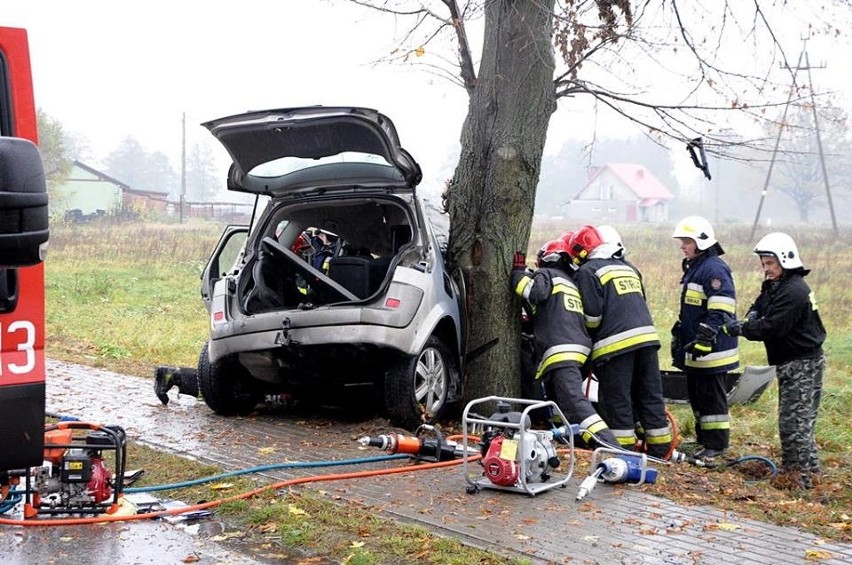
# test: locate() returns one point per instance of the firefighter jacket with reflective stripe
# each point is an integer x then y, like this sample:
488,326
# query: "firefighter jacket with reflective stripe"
617,316
707,295
560,336
788,320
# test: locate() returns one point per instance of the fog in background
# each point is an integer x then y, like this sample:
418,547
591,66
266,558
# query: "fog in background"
112,71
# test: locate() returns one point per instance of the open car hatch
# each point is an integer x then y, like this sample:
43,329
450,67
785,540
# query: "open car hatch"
295,150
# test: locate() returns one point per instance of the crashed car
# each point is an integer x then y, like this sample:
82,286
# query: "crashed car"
340,282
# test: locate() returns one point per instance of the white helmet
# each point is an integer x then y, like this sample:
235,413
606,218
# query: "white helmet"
698,230
782,247
610,236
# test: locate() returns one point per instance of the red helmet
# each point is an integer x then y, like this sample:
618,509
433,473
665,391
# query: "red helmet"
552,251
583,242
302,244
566,237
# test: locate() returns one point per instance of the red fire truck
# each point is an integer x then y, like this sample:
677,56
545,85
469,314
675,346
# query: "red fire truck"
23,245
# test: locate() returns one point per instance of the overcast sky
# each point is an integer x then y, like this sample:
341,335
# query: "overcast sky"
108,69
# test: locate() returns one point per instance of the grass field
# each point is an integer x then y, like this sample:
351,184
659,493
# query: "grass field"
126,298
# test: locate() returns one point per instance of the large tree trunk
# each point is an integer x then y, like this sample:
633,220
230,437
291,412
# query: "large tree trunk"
492,196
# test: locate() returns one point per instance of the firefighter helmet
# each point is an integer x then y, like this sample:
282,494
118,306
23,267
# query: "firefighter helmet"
553,251
782,247
583,242
698,230
611,236
302,244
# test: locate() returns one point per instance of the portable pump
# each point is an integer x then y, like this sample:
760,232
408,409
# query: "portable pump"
514,456
502,459
74,478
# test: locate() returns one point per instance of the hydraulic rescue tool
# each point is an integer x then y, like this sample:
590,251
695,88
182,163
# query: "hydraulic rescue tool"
74,478
514,457
623,467
434,448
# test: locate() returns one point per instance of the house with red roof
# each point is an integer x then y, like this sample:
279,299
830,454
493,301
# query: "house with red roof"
620,192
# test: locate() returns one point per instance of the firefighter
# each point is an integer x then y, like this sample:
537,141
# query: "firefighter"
707,300
561,342
625,343
785,318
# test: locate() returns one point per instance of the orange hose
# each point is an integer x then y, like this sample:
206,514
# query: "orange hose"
205,505
675,434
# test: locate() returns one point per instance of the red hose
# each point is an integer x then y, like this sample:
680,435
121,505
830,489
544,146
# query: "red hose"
203,506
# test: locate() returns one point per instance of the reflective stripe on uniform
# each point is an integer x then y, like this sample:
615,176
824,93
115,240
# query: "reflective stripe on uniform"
565,289
715,422
624,279
624,340
723,303
562,281
592,425
560,353
524,287
593,321
609,272
694,295
715,359
658,436
625,437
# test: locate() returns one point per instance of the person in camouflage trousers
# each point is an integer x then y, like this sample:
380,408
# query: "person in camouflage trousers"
799,392
786,319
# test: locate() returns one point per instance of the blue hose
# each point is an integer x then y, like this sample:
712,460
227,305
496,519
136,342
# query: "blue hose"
10,502
772,468
261,468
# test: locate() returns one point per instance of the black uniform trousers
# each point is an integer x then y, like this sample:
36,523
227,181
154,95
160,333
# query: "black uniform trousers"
567,384
633,378
709,399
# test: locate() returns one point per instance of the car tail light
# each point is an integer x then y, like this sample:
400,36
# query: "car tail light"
393,302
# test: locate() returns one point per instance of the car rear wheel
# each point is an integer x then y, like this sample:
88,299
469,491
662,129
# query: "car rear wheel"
416,388
226,386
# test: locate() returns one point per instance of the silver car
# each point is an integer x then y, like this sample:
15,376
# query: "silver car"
340,282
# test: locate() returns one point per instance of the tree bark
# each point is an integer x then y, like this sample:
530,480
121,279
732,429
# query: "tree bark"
492,195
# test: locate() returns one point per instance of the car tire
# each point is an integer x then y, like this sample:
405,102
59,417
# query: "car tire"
416,388
226,386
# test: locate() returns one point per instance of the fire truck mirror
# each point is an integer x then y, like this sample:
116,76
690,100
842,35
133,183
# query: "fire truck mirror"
23,206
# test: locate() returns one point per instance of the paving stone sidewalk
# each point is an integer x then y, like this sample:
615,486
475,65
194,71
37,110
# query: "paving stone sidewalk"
613,525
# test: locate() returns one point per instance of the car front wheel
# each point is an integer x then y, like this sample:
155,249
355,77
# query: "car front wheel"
416,388
226,386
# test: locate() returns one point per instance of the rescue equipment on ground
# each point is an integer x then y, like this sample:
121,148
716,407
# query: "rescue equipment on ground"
514,457
434,448
74,478
621,468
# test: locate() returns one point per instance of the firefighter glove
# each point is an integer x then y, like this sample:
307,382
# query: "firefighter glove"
752,316
703,342
675,346
519,260
733,328
707,333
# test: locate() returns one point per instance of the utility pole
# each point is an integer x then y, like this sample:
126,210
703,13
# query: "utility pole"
182,166
819,146
799,67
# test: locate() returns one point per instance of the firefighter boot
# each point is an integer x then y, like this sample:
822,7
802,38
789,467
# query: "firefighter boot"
185,379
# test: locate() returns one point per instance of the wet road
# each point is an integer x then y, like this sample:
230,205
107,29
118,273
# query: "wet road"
613,525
